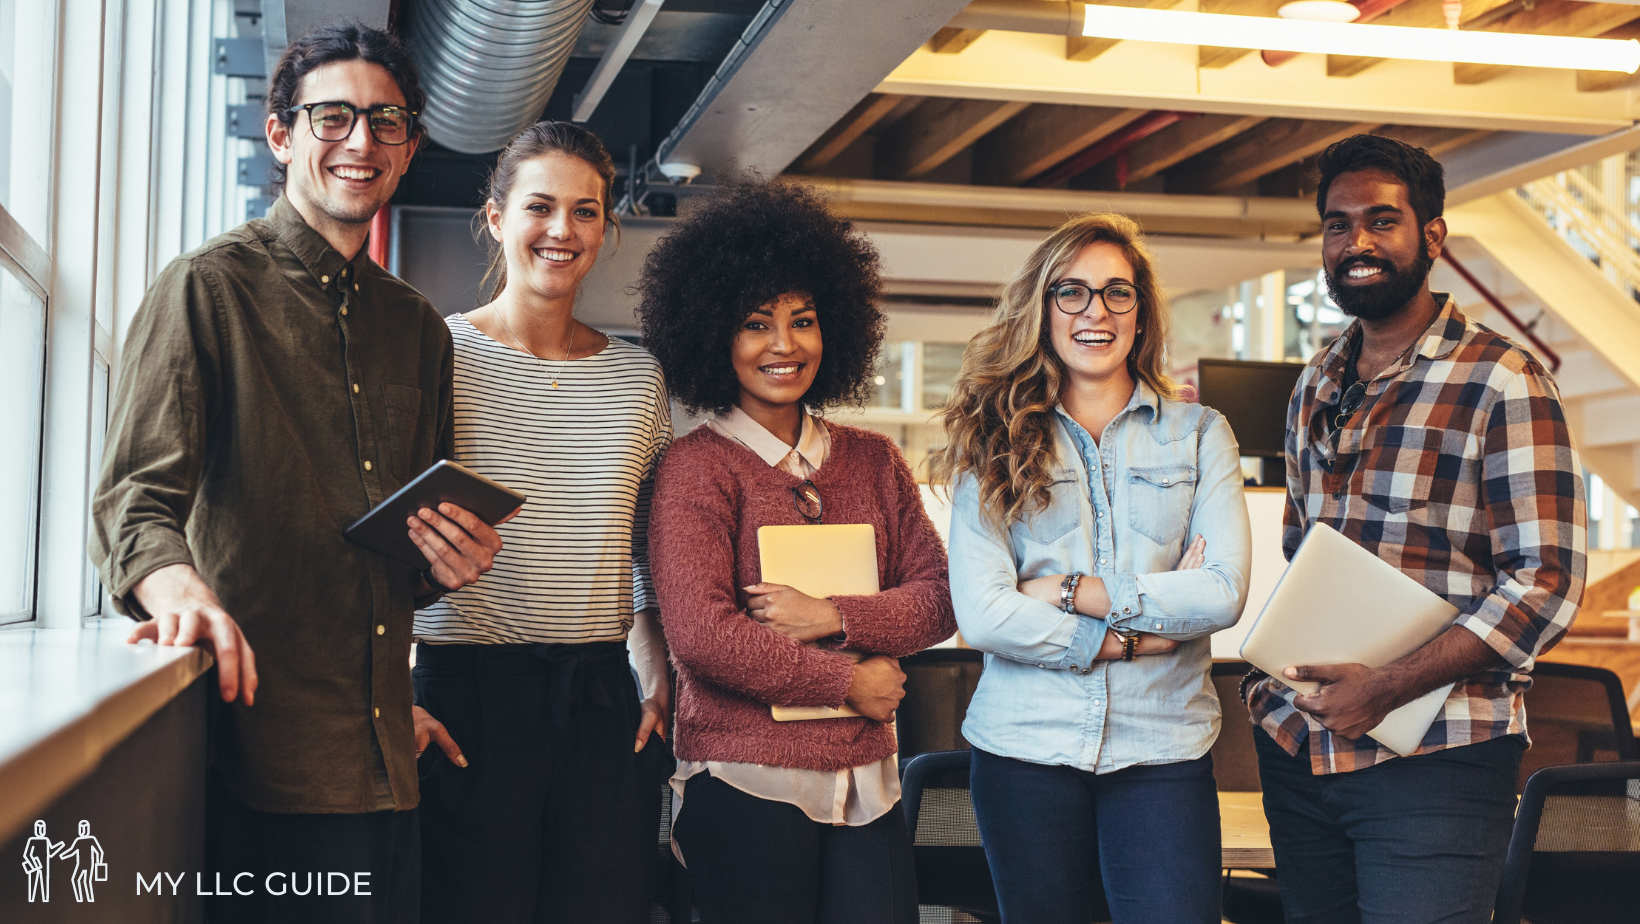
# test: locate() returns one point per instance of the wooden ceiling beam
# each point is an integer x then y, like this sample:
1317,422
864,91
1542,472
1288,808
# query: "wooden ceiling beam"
1043,136
950,41
1564,17
1267,148
937,131
1434,139
865,114
1420,14
1182,142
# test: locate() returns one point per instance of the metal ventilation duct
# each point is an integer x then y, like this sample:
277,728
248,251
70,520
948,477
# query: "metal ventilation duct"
488,66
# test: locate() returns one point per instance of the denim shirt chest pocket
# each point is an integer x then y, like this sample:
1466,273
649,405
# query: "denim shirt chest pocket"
1159,498
1039,536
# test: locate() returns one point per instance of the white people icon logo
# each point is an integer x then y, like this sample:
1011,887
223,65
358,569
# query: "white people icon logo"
89,866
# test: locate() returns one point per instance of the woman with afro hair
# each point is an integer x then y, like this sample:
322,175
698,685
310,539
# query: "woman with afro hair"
759,307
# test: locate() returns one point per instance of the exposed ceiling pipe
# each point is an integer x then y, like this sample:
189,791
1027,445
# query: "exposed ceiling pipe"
1369,10
1110,146
488,66
637,22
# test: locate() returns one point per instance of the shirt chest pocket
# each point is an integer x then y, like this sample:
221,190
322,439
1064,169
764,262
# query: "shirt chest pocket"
1159,498
1407,467
402,441
1048,525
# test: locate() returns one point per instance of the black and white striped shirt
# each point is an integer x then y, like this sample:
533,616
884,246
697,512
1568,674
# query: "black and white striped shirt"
574,564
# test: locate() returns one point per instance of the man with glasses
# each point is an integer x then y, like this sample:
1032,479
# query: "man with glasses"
1442,448
275,385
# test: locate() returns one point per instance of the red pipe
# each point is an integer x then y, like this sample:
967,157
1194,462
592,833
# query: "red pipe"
1129,135
379,233
1498,306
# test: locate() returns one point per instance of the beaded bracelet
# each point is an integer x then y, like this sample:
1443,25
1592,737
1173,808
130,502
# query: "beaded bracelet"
1067,591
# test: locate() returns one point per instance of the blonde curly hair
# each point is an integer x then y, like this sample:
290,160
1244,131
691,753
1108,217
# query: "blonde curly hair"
1000,417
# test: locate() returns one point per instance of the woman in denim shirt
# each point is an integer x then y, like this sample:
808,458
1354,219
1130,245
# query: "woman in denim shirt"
1098,537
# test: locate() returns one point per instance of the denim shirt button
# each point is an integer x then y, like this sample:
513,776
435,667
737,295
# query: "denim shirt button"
1127,609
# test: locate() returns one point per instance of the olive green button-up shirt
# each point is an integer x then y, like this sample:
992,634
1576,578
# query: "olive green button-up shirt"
270,393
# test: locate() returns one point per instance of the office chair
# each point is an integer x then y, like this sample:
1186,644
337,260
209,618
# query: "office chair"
939,683
1575,714
1574,854
952,875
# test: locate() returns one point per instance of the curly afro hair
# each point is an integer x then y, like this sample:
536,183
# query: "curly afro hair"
742,248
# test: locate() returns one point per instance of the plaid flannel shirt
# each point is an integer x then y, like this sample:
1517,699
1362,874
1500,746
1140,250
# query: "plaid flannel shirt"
1458,469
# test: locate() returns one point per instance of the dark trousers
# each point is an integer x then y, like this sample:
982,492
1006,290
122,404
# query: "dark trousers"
554,819
1052,833
288,864
1410,840
757,861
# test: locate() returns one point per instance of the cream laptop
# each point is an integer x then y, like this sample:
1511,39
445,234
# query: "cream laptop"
1338,603
821,560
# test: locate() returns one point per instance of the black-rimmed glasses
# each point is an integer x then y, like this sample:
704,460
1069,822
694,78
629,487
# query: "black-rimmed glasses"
807,498
333,120
1075,297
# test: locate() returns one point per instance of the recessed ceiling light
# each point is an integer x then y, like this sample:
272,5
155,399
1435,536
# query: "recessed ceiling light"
1320,11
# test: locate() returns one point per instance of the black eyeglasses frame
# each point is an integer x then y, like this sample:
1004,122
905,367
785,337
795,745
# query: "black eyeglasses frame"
367,112
1053,296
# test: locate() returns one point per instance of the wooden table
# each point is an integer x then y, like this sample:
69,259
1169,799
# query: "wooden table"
1245,832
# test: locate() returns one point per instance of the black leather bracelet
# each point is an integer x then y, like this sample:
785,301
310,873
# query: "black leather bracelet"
1253,675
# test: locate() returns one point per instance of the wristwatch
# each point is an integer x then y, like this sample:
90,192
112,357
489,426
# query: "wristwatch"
1130,641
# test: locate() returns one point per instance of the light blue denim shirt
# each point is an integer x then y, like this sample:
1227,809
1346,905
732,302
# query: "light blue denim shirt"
1123,509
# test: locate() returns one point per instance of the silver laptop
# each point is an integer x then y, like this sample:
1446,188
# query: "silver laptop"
1338,603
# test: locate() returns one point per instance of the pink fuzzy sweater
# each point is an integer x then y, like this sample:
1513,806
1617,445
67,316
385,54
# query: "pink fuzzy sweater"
711,495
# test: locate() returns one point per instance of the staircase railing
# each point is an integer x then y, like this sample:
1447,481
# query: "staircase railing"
1578,210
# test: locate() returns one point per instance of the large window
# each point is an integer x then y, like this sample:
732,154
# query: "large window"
26,54
22,378
114,158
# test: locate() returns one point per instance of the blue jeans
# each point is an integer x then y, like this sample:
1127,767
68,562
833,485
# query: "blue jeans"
1414,839
1052,833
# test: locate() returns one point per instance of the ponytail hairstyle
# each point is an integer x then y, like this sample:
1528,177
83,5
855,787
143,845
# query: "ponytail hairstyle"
544,137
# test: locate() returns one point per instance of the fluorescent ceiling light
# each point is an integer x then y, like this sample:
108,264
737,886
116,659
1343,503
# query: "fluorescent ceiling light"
1509,49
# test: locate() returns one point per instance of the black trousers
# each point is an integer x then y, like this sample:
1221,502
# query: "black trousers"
756,861
266,868
1415,840
554,819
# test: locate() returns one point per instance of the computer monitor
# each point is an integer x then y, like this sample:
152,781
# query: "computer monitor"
1252,396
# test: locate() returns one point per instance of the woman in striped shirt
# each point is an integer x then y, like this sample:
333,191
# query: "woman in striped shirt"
537,803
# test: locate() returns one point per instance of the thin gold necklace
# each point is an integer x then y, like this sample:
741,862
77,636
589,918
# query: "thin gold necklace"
569,349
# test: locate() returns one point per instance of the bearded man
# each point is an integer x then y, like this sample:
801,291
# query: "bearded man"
1440,447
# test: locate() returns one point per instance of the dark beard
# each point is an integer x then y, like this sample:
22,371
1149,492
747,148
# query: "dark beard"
1380,300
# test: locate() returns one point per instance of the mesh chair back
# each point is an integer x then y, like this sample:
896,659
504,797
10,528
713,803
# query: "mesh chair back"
672,897
1575,714
939,683
951,868
1235,761
1574,855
